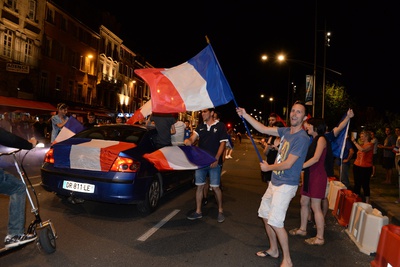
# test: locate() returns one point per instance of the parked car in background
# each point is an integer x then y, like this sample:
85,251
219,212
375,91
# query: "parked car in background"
106,164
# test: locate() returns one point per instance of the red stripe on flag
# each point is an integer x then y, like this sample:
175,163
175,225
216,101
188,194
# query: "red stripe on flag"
158,159
165,98
109,154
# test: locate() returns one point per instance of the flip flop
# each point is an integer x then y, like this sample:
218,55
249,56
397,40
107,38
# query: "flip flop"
264,254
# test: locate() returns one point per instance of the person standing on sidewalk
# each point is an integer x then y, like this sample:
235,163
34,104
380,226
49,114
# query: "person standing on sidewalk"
362,167
284,180
212,137
313,191
388,155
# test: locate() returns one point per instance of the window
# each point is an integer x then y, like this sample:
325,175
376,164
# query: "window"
63,25
32,9
7,42
71,90
47,47
50,16
44,79
58,83
58,51
79,94
11,4
28,51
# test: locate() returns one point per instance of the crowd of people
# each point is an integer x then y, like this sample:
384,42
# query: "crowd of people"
360,154
300,151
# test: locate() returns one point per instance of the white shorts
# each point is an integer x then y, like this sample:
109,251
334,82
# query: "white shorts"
275,202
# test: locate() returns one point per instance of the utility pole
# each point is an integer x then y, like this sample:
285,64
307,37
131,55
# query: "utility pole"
315,59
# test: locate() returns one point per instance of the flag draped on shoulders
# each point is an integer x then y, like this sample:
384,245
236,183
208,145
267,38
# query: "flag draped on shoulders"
338,144
72,127
179,158
197,84
140,113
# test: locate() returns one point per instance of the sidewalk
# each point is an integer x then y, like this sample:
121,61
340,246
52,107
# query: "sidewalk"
383,196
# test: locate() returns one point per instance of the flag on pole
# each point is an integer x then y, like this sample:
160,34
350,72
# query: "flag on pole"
338,144
179,158
197,84
140,113
309,89
72,127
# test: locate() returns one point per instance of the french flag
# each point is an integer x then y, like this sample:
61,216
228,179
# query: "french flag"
339,143
88,154
179,158
72,127
140,113
196,84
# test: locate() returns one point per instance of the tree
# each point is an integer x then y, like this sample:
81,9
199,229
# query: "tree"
337,102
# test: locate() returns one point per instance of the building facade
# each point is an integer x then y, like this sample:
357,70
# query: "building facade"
48,55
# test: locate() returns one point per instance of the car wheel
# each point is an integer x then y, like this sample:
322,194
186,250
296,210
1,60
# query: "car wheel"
152,198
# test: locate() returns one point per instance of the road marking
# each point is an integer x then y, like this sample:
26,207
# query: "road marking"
157,226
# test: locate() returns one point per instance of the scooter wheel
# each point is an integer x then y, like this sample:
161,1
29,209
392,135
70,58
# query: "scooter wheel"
47,241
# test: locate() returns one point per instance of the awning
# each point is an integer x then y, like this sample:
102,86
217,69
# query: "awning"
25,104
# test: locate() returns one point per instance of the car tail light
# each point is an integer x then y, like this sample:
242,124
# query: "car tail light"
122,164
49,157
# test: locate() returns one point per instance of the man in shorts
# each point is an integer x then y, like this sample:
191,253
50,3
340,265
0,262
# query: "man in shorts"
284,179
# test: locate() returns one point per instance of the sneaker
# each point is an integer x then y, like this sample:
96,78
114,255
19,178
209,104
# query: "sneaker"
17,240
221,217
194,216
205,201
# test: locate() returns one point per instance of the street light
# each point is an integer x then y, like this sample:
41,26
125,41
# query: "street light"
282,58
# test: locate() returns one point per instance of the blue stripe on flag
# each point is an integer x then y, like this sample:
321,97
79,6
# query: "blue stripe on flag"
208,67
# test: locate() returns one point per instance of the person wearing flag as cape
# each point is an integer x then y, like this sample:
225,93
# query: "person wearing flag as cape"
284,179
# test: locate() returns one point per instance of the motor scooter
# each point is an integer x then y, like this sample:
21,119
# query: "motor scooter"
43,230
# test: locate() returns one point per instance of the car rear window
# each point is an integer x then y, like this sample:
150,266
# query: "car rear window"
124,133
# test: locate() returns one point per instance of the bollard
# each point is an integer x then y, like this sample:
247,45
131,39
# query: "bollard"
334,187
365,227
388,251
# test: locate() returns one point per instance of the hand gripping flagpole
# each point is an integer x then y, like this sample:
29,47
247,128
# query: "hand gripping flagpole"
243,120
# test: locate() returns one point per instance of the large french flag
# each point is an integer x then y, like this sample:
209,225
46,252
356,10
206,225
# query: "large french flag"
140,113
88,154
196,84
179,158
72,127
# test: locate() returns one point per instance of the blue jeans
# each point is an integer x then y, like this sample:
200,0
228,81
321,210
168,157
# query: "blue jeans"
213,173
16,189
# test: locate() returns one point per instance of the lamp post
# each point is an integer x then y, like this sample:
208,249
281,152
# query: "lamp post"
326,44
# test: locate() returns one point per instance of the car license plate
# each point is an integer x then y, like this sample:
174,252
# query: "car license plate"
79,187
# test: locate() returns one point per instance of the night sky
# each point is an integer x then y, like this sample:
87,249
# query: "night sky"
362,46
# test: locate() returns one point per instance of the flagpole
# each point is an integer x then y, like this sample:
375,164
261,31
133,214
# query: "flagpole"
243,120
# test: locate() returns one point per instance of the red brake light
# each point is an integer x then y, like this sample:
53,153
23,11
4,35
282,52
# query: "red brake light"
122,164
49,157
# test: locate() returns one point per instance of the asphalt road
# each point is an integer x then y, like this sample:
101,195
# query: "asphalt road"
99,234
